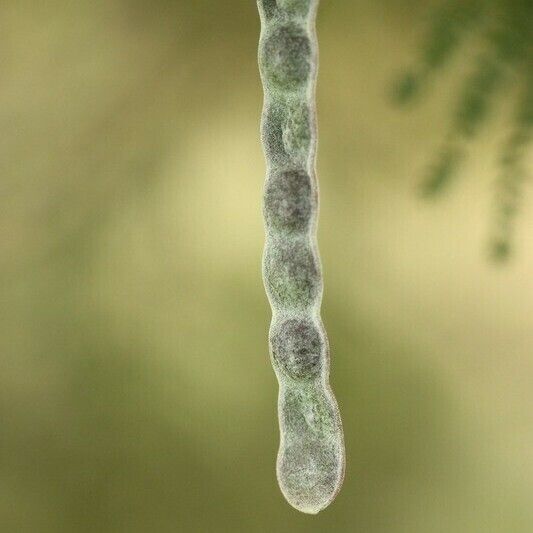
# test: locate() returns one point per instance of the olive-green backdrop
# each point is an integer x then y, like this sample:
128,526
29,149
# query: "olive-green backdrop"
136,393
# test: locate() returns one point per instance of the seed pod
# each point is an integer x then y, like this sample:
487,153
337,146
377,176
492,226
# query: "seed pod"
311,456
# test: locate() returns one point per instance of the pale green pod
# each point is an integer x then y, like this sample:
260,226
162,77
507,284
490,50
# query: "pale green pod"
311,458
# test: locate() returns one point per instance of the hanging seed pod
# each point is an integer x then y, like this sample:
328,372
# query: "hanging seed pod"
311,456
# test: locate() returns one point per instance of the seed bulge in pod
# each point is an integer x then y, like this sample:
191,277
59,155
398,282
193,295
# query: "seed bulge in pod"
298,348
286,57
292,274
289,201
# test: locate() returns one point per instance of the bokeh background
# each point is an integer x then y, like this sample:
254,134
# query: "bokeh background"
136,393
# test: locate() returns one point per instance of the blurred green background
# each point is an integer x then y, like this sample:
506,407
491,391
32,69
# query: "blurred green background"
136,393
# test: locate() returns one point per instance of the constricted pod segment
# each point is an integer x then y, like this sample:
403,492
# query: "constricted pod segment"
311,458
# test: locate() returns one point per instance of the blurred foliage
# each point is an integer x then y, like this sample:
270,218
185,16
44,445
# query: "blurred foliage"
505,62
136,392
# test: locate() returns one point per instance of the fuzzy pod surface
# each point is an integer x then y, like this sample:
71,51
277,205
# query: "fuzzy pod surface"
311,457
